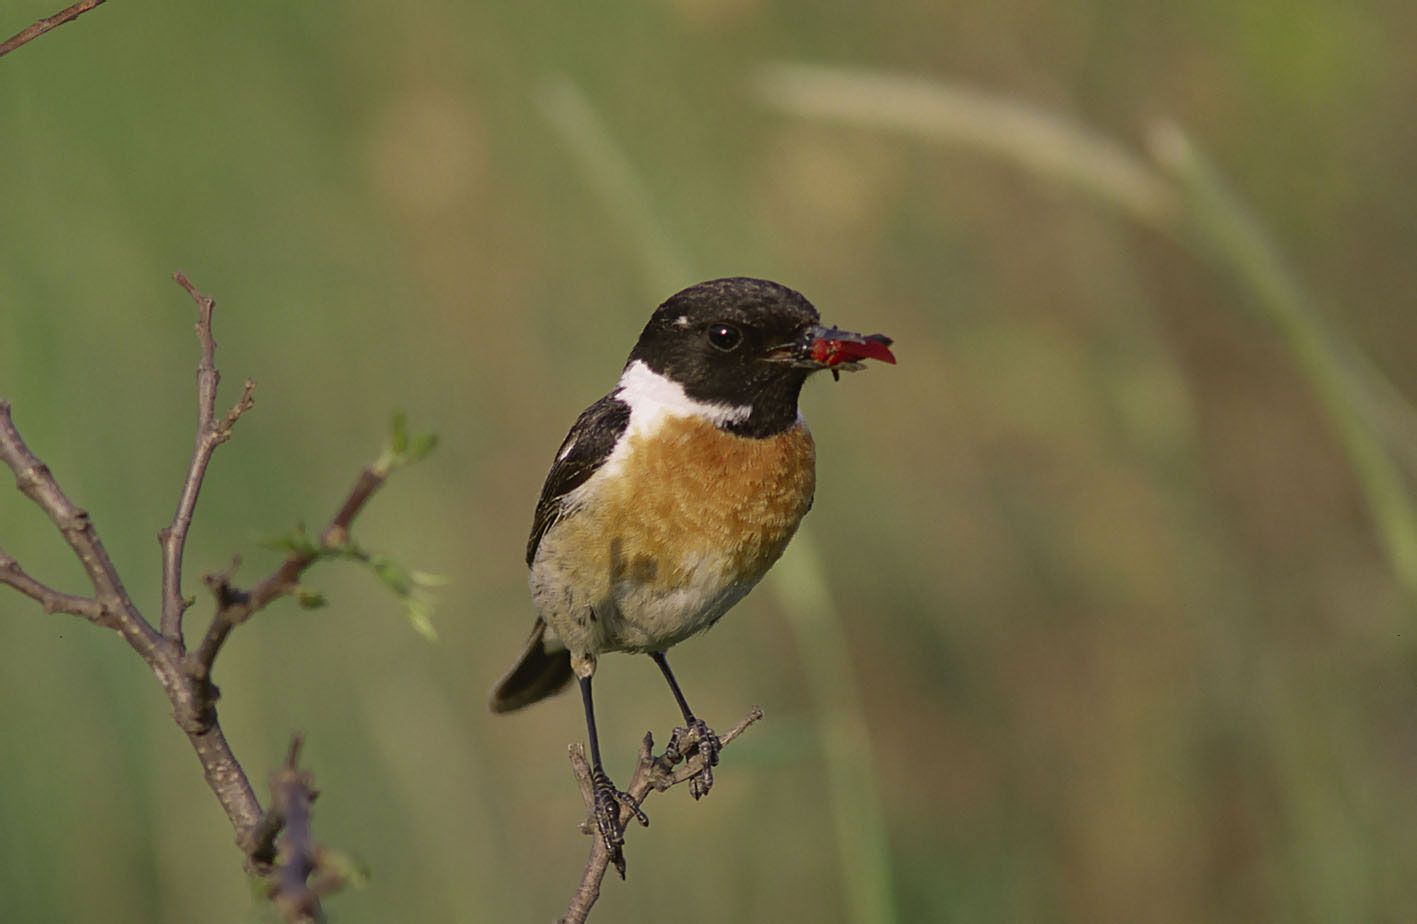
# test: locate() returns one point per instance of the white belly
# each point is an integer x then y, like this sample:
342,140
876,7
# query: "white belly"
633,614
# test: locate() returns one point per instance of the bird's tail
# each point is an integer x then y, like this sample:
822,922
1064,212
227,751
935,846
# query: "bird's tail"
543,669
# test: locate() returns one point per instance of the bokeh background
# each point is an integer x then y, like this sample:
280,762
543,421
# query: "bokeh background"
1099,615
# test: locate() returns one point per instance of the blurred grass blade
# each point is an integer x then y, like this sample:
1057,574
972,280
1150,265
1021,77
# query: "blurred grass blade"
1183,197
857,812
612,177
1221,226
1032,138
800,583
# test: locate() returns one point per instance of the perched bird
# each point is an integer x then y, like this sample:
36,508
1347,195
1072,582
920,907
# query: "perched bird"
674,494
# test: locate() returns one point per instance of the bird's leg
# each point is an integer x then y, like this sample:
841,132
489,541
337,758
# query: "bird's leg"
608,798
696,735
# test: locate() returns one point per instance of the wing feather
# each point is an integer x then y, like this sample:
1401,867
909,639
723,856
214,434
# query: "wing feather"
582,453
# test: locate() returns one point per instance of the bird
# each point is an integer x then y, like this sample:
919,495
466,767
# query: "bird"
672,496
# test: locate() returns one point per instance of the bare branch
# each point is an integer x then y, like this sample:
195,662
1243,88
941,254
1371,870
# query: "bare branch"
259,842
191,707
337,532
223,772
211,433
652,774
185,677
35,481
44,25
248,401
292,792
52,600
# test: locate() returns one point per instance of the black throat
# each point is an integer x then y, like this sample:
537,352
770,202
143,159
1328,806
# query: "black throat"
774,409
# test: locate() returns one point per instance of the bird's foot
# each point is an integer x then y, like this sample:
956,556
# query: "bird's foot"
608,800
696,740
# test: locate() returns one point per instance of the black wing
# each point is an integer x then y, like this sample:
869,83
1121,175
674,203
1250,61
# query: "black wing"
584,451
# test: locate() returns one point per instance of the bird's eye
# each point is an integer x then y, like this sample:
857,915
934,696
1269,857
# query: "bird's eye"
725,337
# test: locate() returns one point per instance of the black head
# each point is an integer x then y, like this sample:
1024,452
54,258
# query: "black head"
738,342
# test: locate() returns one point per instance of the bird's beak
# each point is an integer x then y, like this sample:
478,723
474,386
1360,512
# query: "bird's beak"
832,348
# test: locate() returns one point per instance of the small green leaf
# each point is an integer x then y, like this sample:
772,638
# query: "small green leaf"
419,610
297,540
421,447
402,449
344,868
398,438
395,576
427,579
410,587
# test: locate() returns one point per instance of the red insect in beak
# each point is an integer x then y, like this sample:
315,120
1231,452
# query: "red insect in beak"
832,347
836,349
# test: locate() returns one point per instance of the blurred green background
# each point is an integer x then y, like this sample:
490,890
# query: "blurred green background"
1092,623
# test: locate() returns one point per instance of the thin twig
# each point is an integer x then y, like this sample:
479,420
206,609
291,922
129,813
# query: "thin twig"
52,600
36,482
44,25
211,433
652,774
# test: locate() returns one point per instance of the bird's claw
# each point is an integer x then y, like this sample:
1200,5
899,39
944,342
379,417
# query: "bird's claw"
608,800
696,739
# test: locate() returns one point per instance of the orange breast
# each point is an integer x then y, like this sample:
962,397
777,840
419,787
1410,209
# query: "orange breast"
689,492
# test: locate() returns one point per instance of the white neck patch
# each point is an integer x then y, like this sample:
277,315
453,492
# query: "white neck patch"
652,397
